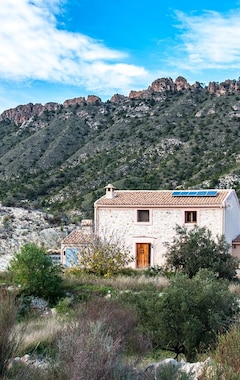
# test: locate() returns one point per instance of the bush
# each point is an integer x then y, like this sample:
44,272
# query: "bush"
92,347
153,271
188,315
226,355
193,311
192,250
35,271
104,257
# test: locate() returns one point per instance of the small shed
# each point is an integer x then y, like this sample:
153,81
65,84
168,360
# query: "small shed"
72,245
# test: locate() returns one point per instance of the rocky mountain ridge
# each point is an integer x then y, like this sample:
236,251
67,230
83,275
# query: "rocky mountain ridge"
23,113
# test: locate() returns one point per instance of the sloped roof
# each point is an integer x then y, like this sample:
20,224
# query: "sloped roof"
77,237
161,198
237,239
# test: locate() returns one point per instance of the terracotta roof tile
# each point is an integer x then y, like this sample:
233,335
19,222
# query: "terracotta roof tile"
77,237
160,198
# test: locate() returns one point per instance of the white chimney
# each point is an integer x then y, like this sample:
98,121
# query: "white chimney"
110,191
87,226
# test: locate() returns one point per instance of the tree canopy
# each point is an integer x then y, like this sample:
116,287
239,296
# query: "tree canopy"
193,311
188,315
194,249
35,271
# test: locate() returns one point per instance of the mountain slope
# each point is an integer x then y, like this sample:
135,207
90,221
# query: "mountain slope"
59,157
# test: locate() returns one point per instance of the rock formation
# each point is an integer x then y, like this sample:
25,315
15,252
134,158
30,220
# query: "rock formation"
74,101
22,113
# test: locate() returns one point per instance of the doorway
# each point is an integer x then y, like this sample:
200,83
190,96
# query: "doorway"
143,255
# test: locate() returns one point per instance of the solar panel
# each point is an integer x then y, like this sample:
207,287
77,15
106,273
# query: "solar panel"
194,193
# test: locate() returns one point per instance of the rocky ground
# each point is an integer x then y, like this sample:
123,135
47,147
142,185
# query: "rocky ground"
19,226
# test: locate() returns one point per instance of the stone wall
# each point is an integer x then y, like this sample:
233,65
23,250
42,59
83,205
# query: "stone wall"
121,224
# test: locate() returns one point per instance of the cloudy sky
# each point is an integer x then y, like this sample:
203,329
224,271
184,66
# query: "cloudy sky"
53,50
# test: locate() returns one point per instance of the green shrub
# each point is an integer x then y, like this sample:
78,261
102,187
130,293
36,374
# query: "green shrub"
188,315
36,273
154,271
64,307
192,250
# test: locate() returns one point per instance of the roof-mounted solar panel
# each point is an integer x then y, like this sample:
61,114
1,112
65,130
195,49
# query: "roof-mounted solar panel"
212,193
194,193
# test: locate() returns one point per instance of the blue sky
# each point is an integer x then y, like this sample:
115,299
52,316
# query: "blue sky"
53,50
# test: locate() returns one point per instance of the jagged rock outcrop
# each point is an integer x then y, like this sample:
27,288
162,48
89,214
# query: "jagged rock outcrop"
181,84
22,113
223,88
142,94
197,85
74,101
118,98
163,84
93,99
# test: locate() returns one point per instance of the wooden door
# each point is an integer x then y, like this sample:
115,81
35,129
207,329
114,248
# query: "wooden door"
143,255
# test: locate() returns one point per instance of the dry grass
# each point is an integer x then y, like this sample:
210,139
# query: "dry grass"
235,288
38,330
137,282
120,282
93,344
226,365
9,342
43,329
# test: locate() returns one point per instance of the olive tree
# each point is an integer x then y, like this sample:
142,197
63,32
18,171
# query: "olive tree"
193,312
188,315
194,249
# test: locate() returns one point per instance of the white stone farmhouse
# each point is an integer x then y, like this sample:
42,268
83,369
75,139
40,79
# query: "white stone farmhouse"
146,219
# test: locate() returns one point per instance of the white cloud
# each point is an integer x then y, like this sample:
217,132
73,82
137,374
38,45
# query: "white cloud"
32,47
208,41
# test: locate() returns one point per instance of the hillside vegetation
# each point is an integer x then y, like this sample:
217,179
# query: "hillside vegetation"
168,137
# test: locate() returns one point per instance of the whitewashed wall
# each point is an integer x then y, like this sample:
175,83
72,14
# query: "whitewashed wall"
121,223
232,219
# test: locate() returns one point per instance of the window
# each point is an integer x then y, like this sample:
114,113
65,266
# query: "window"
143,215
190,216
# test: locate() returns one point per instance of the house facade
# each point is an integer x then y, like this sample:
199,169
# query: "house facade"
146,219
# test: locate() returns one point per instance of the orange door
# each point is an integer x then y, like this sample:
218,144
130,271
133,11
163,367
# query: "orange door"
143,255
